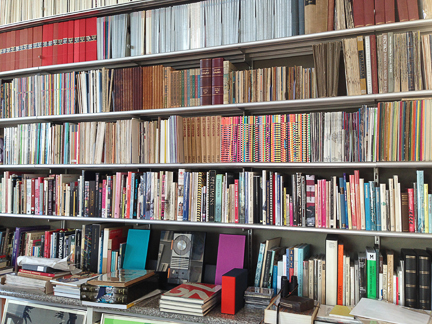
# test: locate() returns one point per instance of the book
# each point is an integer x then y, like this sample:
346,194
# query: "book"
121,278
193,293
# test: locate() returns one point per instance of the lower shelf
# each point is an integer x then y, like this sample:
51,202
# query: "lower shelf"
147,308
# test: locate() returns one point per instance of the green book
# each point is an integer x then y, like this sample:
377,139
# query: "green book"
218,205
371,272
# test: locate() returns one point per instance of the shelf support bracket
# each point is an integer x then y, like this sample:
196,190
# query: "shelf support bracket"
376,175
62,224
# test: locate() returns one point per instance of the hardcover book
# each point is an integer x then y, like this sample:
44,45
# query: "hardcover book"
195,293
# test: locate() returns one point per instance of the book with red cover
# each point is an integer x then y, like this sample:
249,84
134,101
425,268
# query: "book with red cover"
369,12
374,63
79,40
413,10
193,292
340,274
379,12
22,54
37,46
330,17
217,81
402,8
55,39
411,213
47,44
358,13
4,50
29,51
15,42
62,43
91,39
206,81
44,274
389,11
234,285
70,42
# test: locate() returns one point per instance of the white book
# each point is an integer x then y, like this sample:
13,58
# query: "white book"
148,31
402,283
383,201
347,280
392,205
384,282
380,289
331,270
352,284
344,282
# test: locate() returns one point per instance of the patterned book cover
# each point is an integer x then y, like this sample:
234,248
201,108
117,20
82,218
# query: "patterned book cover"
196,293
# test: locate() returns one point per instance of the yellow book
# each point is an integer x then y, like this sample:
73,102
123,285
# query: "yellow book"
340,311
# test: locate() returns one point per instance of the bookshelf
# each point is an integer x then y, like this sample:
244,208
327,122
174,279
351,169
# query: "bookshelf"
251,52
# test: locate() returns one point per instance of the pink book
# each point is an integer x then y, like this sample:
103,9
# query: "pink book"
318,204
37,191
353,202
357,197
323,203
236,214
231,252
104,211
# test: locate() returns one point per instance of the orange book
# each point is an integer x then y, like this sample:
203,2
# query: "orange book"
340,274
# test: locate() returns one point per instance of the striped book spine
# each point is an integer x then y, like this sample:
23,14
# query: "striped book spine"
420,201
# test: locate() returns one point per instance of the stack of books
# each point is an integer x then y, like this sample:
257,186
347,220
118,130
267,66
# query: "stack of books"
191,298
119,289
69,286
30,279
258,297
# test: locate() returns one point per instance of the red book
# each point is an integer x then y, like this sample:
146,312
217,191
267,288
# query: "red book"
411,214
402,7
413,10
91,39
22,56
217,81
330,17
37,273
47,44
379,12
79,40
358,13
70,43
206,81
55,39
374,64
15,39
340,274
369,12
29,51
389,11
61,43
128,194
3,49
37,46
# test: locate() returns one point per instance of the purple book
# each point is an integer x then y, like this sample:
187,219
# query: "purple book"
231,253
19,231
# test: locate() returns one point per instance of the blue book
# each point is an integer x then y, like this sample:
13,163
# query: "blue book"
303,254
275,277
378,208
218,194
135,256
367,202
373,205
259,265
186,196
420,201
301,19
101,252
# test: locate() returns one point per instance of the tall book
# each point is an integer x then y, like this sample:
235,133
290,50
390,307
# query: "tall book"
206,81
371,272
217,82
331,259
424,279
411,288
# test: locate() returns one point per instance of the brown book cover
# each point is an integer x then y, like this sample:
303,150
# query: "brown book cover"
389,11
417,61
379,12
413,10
218,139
369,12
316,16
208,139
192,132
206,81
197,121
362,65
330,16
402,8
203,139
213,139
352,73
349,14
359,13
217,81
374,63
404,212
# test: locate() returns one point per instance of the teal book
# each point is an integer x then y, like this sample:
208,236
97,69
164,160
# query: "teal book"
259,265
218,194
420,202
136,249
371,273
303,254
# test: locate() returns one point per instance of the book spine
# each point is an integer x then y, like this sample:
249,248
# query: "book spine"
259,264
206,81
217,77
424,282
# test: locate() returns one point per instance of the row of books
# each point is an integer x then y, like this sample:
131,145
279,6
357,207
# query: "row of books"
340,277
269,198
386,63
21,10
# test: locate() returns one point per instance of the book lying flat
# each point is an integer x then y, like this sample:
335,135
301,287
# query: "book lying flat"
190,292
121,278
122,306
74,280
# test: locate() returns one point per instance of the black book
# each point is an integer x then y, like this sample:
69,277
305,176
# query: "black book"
71,199
362,274
257,191
92,199
135,216
86,249
99,199
410,258
212,197
424,279
78,248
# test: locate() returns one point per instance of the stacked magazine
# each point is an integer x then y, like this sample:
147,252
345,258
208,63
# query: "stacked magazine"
69,286
191,299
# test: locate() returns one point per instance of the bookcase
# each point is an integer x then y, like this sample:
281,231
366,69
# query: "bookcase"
255,54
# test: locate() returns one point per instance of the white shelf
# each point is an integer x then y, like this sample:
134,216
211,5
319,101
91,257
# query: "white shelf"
249,51
224,225
265,107
220,166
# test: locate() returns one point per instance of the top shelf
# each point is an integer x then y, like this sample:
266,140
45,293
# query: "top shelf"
240,52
